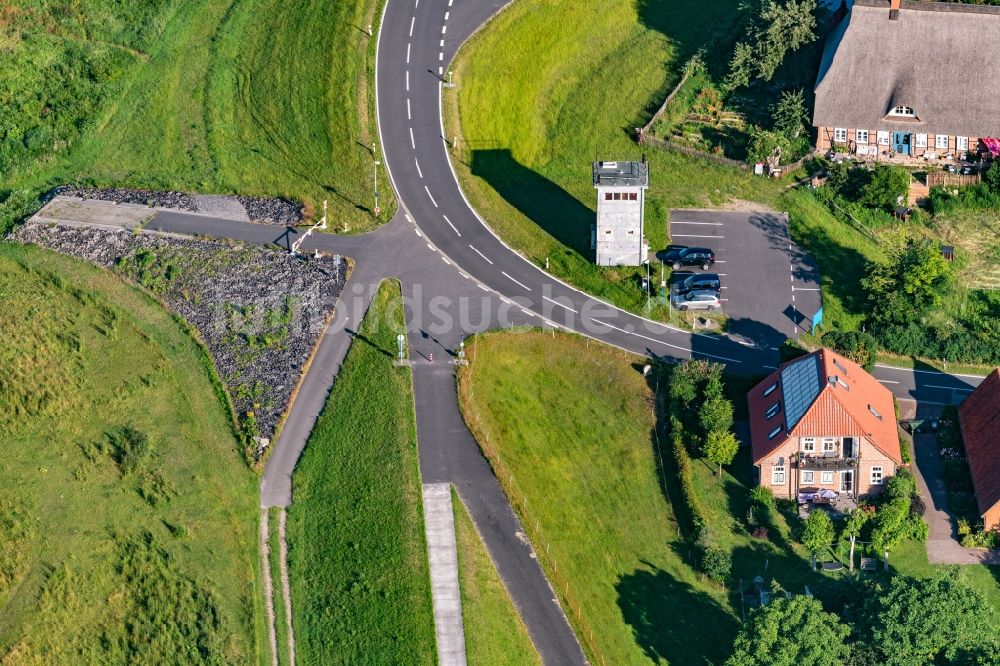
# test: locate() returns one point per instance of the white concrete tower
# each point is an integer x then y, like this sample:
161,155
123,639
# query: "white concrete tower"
621,206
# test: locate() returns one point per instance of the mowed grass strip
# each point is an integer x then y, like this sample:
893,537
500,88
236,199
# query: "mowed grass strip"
357,554
114,551
568,425
551,85
494,632
258,97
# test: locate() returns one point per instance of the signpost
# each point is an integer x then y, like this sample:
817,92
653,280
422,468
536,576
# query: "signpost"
401,341
817,320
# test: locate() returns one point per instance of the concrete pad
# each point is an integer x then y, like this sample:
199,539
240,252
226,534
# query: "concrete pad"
92,212
442,554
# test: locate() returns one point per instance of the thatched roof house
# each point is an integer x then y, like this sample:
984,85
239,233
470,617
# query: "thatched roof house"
911,77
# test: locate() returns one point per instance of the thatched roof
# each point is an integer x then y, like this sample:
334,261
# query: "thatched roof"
940,59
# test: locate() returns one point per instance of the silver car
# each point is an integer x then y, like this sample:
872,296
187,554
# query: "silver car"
701,299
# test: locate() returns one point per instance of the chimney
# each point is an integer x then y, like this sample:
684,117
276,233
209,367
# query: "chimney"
893,9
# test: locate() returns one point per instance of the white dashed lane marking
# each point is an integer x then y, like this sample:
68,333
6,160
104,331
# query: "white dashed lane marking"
426,189
481,255
451,225
562,305
515,281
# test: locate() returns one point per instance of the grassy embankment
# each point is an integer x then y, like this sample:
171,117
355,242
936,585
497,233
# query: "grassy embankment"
357,556
259,97
128,517
600,501
548,87
494,633
572,422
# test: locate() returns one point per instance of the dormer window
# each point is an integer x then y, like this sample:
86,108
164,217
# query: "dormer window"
902,112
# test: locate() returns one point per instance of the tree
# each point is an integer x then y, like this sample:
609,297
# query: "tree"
817,533
791,632
922,620
901,484
911,281
992,176
885,187
763,143
775,29
890,524
717,563
721,448
789,114
852,526
860,347
716,415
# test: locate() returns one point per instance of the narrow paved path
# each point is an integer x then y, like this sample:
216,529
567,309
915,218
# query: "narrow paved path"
442,553
265,567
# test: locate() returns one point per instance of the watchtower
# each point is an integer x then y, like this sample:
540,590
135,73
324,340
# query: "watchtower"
621,205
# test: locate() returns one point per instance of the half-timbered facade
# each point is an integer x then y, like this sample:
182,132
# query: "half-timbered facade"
910,79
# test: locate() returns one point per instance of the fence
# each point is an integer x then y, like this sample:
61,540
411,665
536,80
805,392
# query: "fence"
690,67
944,178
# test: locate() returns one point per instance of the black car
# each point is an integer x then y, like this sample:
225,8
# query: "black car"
698,282
680,255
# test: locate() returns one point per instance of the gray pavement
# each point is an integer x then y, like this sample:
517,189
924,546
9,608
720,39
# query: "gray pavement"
442,553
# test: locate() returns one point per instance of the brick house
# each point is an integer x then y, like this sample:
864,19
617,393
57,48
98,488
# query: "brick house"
902,78
820,422
979,417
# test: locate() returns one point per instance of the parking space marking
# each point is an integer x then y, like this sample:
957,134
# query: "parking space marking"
949,388
888,381
693,236
704,224
805,288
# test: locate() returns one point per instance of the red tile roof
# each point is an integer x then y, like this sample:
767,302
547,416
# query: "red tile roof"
979,417
849,403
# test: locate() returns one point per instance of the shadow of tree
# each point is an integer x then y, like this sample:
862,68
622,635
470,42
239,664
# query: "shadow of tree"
694,25
842,266
666,614
543,202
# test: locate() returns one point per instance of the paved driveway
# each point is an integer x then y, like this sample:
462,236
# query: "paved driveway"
770,287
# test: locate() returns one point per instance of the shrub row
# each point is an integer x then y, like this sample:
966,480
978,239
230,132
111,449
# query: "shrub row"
694,509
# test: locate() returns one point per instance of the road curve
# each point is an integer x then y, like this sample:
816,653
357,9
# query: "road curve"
417,40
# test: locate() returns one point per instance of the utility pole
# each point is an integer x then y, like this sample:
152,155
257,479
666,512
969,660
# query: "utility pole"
377,163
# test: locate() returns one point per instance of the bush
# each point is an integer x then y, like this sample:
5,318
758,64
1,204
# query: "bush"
717,563
760,533
901,484
764,143
683,462
129,448
860,347
762,496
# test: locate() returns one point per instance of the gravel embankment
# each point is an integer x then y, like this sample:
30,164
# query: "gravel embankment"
263,211
260,311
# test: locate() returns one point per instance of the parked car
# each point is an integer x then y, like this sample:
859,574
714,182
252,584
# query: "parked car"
698,282
696,300
681,255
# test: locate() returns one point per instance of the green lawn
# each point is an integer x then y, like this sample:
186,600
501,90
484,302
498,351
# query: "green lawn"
259,97
494,633
112,551
910,558
549,86
572,422
357,556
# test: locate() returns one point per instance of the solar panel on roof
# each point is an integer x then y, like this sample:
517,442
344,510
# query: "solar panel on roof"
800,387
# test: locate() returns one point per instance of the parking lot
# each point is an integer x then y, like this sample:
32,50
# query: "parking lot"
770,287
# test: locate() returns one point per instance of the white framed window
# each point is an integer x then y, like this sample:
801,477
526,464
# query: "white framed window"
828,444
778,475
962,143
807,476
941,141
876,475
904,111
883,138
840,135
861,136
808,444
827,477
921,141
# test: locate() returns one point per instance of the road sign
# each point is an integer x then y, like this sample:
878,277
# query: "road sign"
817,320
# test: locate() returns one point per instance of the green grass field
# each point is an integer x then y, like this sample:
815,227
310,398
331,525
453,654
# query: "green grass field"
357,556
911,559
257,97
572,421
494,633
549,86
128,520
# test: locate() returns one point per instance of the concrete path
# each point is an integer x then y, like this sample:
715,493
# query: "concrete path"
265,568
943,546
442,552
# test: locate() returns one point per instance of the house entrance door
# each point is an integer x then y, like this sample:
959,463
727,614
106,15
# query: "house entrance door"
847,481
901,142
